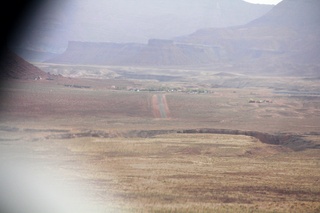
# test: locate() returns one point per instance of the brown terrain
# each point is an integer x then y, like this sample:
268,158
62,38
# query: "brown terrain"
165,138
218,142
14,67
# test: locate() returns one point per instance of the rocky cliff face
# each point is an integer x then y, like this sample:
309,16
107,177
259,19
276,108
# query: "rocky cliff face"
284,41
155,53
50,25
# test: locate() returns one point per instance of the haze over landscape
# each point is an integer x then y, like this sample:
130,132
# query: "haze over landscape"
160,106
127,21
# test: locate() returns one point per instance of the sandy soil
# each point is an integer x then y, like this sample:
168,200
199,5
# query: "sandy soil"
126,152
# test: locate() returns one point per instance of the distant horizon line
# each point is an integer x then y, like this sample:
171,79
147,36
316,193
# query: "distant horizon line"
269,2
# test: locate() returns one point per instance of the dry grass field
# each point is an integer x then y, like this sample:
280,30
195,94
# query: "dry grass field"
179,172
121,142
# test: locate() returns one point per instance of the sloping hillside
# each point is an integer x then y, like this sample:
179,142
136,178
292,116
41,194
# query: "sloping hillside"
292,13
14,67
289,33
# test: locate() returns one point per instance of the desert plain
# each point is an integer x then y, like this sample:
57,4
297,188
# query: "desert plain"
146,139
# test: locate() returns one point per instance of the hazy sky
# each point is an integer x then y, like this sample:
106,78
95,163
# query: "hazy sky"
57,22
264,1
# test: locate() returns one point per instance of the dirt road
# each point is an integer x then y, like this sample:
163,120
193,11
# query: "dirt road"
160,106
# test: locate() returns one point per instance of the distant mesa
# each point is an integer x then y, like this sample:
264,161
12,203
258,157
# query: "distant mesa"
159,42
225,74
57,22
283,42
155,53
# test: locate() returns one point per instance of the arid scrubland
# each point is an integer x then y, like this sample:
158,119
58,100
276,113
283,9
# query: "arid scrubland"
110,138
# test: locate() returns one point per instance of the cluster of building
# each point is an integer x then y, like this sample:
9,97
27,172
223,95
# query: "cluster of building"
259,101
